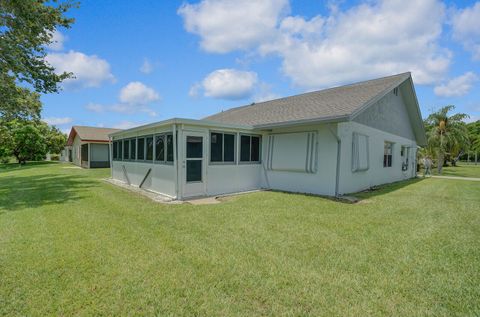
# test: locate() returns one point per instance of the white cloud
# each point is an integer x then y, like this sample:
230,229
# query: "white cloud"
227,25
457,86
264,93
147,67
472,118
95,107
89,70
134,97
372,39
137,93
57,41
195,90
57,121
229,84
126,125
466,29
366,41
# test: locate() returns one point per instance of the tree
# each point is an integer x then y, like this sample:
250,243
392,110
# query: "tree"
25,140
29,140
22,104
56,140
446,135
26,27
474,136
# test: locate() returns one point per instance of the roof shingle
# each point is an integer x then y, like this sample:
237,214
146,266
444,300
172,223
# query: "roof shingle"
90,133
323,104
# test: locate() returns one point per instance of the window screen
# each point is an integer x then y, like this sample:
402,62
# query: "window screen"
245,148
120,150
228,147
126,150
149,154
169,147
133,148
140,149
115,150
160,148
249,148
194,147
222,147
216,147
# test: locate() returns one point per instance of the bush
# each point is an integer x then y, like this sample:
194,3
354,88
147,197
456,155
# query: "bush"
55,157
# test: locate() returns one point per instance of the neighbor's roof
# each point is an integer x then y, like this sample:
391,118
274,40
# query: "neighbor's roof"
93,134
325,105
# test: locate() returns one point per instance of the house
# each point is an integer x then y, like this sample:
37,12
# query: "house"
330,142
88,147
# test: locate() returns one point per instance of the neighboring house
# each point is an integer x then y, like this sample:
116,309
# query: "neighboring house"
88,146
329,142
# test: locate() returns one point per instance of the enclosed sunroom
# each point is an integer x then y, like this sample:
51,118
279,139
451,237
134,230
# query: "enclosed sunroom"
183,158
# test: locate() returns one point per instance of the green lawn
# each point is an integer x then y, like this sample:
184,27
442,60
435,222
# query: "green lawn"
462,170
71,244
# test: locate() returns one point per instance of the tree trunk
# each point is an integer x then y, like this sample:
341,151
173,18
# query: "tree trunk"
440,162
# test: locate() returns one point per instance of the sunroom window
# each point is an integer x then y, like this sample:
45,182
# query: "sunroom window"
126,151
133,148
140,149
222,147
249,148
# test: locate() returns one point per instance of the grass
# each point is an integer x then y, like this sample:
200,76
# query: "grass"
462,170
71,244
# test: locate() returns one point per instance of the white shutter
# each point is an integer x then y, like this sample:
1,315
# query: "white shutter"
360,152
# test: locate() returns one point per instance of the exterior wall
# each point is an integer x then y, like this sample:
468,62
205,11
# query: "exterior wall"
321,181
223,179
376,174
161,178
76,151
64,157
99,155
389,114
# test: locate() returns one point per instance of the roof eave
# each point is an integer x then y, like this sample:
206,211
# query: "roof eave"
333,119
205,123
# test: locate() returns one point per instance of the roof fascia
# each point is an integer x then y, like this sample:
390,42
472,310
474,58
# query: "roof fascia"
423,137
205,123
332,119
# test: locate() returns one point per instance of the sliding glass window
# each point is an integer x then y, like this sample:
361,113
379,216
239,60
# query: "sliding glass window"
250,148
222,147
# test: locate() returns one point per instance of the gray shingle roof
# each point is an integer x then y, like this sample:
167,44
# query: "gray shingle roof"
323,104
90,133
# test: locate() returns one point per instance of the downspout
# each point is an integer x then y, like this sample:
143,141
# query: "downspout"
110,155
175,158
339,147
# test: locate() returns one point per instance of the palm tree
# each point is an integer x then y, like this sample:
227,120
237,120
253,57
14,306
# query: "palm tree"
446,135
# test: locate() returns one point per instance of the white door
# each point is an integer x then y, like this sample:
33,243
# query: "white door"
194,173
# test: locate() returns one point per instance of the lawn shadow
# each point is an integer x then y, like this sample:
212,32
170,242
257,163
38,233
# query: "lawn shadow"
15,166
385,188
17,192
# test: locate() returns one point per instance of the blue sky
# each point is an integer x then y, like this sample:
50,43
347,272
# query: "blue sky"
143,61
